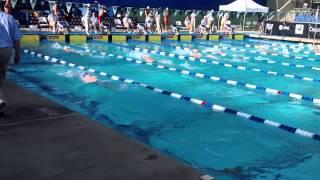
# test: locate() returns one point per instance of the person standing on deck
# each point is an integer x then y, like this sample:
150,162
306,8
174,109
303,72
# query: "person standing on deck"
158,22
10,38
166,19
8,7
193,21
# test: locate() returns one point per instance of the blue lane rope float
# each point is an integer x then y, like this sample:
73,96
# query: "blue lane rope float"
272,91
251,51
206,104
227,65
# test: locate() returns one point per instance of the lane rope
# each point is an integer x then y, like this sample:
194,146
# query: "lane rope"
217,47
209,105
294,48
227,65
315,101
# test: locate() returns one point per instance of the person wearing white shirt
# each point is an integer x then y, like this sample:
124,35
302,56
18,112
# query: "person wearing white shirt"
86,20
204,25
94,22
53,20
127,23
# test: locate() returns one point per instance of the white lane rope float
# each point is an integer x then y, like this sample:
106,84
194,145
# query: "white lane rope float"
276,47
315,101
216,47
209,105
286,64
226,65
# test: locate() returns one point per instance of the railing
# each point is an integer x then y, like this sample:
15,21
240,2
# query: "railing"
282,12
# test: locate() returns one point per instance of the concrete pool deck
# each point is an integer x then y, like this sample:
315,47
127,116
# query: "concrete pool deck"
40,139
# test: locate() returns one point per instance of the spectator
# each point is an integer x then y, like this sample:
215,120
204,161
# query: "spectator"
228,29
224,19
10,38
261,20
193,21
86,20
53,20
102,13
204,25
118,21
8,7
147,11
94,22
127,23
158,22
187,23
150,22
55,8
211,24
166,19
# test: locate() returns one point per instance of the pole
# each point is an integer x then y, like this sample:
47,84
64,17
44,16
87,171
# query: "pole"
316,25
277,6
244,21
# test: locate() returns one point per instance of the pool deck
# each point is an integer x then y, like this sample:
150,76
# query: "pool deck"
40,139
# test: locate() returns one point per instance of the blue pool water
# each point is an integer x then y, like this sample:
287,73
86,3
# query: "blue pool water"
220,144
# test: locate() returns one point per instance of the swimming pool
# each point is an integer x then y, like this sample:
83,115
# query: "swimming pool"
225,81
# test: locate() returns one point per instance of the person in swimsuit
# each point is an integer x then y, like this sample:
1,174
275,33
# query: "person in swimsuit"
88,78
166,19
195,54
147,58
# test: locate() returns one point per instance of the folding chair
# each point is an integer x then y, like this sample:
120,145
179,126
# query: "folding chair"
43,23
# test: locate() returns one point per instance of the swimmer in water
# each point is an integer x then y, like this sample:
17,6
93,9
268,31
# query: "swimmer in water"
147,58
87,78
70,50
67,49
195,54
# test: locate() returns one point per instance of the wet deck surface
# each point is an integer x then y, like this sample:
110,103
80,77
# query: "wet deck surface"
40,139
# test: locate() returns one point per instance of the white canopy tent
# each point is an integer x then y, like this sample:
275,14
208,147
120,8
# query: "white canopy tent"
244,6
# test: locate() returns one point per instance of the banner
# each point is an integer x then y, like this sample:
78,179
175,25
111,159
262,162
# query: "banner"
33,3
51,4
187,11
141,10
176,12
291,29
129,10
314,31
13,2
114,10
68,5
